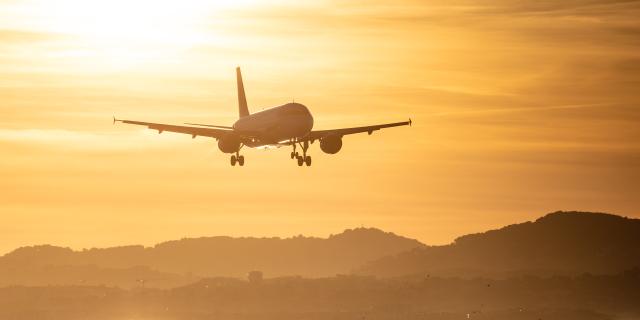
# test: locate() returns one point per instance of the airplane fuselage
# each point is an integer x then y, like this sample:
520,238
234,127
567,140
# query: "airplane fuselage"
270,126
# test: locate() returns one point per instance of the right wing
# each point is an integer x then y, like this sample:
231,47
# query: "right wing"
193,131
319,134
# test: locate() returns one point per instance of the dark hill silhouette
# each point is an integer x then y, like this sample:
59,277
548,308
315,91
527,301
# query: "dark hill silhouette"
560,243
220,256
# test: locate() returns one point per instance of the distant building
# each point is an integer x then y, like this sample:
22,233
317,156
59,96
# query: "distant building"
255,277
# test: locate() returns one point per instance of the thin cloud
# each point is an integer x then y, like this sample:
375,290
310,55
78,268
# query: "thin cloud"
21,36
88,140
517,109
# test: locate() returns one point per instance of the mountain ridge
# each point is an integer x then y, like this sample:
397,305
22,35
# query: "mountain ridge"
224,256
559,243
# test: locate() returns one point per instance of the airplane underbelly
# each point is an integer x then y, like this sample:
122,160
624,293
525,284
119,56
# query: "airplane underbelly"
297,130
285,129
276,125
290,128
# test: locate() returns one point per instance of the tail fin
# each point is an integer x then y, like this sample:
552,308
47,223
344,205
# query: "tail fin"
242,99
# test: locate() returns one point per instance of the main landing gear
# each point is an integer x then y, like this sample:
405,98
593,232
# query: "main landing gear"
237,158
304,158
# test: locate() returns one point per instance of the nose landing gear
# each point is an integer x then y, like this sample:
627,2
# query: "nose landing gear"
237,158
304,158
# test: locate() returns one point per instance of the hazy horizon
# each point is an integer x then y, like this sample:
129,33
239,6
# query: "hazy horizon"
519,108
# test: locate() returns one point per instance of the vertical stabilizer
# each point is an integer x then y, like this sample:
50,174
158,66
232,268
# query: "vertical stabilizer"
243,110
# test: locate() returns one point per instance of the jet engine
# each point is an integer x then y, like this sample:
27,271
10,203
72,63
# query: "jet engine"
229,143
331,144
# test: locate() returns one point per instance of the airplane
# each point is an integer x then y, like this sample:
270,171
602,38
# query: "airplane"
290,124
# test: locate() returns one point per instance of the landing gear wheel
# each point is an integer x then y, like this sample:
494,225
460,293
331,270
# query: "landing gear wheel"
233,160
300,161
307,161
241,160
293,154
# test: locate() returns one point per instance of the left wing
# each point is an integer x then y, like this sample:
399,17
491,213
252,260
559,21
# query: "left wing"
319,134
193,131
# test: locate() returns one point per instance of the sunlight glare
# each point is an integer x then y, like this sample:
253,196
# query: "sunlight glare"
121,33
140,20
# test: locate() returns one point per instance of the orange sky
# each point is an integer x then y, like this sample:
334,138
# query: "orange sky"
519,107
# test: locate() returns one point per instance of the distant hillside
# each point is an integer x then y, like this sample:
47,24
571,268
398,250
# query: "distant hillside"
559,243
210,256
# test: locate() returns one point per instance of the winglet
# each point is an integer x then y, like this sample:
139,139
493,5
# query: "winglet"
116,120
410,122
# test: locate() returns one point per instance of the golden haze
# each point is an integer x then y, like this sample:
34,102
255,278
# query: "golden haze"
519,109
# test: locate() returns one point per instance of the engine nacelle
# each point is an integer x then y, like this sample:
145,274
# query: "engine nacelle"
331,144
229,143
